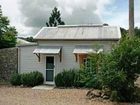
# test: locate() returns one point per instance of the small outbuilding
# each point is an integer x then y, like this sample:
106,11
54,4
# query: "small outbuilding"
65,47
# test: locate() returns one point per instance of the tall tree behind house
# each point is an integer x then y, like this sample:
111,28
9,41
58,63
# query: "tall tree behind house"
55,18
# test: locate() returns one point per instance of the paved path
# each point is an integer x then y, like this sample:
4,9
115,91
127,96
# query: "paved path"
44,87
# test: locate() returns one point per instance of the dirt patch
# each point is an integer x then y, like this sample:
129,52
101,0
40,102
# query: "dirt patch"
28,96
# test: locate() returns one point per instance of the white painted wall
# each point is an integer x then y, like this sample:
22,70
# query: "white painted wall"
68,58
29,62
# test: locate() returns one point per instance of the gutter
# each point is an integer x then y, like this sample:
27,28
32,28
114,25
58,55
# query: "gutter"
115,39
24,45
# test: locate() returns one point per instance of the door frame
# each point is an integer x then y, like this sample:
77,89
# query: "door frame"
48,82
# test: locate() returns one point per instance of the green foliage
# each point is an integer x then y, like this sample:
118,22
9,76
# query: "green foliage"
137,32
15,79
7,40
120,69
32,78
109,76
88,76
7,33
127,57
30,39
124,32
67,78
55,19
116,71
112,79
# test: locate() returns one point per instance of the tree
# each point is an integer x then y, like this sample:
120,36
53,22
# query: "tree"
55,19
125,32
30,39
137,31
131,17
7,33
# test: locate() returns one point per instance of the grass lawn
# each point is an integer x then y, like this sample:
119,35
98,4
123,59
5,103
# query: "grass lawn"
28,96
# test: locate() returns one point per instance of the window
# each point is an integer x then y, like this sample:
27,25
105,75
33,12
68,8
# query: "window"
87,62
82,58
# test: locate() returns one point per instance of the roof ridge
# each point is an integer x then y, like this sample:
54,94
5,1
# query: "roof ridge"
81,25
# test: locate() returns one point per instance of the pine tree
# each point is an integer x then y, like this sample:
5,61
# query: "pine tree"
55,19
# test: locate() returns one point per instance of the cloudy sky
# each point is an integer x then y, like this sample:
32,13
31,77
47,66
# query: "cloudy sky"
28,16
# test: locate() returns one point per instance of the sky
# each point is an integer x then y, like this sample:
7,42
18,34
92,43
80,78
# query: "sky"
28,16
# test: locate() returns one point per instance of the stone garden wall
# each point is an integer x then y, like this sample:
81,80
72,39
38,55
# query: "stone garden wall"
8,62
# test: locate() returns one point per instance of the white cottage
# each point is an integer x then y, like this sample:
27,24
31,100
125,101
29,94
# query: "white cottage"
65,47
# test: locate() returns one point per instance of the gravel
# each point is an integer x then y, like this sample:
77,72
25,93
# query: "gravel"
28,96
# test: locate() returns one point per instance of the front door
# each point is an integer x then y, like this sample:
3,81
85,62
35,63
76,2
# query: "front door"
50,69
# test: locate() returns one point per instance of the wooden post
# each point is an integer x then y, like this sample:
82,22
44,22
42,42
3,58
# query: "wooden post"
131,18
38,55
60,55
76,59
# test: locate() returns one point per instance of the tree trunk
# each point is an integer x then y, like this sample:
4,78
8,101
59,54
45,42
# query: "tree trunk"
131,18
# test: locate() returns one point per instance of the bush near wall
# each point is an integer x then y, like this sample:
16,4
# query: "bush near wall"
27,79
15,79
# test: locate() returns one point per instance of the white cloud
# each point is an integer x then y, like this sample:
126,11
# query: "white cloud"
30,15
10,8
33,14
101,4
119,19
36,12
79,11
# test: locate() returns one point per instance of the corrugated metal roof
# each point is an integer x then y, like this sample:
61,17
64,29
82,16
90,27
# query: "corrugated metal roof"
85,49
47,50
81,32
21,43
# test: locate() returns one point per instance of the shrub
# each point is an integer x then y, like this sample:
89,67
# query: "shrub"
116,71
88,76
120,69
26,79
67,78
127,56
88,80
32,78
59,80
15,79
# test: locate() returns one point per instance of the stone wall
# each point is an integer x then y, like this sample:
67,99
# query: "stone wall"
8,62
